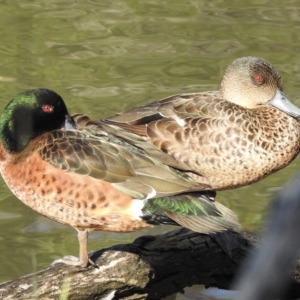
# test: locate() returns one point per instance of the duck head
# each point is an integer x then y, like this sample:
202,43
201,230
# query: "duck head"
251,82
31,114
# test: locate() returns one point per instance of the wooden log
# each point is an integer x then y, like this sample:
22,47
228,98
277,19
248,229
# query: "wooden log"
151,267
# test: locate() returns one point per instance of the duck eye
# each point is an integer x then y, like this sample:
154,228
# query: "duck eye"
259,79
48,108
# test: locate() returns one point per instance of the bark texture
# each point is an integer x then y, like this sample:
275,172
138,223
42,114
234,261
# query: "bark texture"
151,267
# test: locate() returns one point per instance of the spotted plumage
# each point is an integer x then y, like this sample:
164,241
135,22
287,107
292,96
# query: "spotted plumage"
91,179
227,138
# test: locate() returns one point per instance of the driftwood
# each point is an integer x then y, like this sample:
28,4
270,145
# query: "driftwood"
152,267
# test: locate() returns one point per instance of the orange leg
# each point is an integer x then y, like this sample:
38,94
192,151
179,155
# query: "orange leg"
83,253
83,259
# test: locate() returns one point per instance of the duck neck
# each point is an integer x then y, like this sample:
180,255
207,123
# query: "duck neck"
16,131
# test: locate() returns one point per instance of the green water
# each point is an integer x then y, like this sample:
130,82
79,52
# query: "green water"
106,56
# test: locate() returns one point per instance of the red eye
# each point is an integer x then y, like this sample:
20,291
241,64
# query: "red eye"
48,108
258,79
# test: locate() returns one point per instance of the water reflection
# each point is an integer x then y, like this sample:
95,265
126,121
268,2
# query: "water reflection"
103,57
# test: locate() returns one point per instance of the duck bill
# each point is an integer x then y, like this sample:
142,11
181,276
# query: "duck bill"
69,123
281,102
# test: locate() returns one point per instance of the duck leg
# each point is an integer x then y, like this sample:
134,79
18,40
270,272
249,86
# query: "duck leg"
83,259
83,253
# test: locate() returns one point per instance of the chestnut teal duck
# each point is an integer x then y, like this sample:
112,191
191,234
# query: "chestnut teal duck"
227,138
94,180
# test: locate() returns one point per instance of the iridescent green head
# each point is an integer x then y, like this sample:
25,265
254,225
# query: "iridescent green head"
31,114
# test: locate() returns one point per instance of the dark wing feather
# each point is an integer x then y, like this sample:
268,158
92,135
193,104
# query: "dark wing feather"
175,107
194,211
106,157
84,154
84,122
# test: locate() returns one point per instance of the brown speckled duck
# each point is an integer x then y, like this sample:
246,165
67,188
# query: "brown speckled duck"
94,180
227,138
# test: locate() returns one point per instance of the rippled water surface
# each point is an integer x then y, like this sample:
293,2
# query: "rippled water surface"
106,56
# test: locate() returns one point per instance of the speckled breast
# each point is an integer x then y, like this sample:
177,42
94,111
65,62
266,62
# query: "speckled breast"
249,150
235,149
69,198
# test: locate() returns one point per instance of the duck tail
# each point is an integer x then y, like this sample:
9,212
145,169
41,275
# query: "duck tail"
194,211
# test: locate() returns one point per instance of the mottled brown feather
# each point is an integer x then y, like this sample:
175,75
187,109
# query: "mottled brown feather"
88,181
69,198
230,138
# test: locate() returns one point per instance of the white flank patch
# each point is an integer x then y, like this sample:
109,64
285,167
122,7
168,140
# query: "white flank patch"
137,206
180,122
150,195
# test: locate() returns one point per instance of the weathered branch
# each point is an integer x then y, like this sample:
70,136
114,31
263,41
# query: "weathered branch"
152,267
